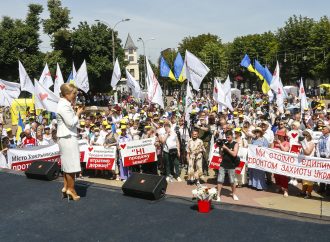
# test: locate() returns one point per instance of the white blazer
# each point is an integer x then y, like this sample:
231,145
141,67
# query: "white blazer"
67,120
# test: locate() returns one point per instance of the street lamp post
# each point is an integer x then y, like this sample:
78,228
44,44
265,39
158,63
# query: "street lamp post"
144,59
113,45
113,35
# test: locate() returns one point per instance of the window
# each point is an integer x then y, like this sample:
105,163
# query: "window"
126,57
131,71
130,51
131,58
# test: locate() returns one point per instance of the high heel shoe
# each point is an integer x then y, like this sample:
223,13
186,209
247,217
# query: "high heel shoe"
64,195
72,196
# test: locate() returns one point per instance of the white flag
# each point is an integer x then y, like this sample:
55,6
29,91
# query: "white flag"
149,80
195,70
277,86
216,90
225,94
116,75
155,93
133,85
82,78
24,79
8,92
46,78
74,72
188,106
58,81
302,96
45,98
270,95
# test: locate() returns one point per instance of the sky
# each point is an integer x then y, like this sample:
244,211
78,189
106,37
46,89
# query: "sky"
168,22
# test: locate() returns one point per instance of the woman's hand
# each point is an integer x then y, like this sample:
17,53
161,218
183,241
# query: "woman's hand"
80,110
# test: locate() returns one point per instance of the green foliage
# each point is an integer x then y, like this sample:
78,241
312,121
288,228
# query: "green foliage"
302,47
58,17
19,40
94,44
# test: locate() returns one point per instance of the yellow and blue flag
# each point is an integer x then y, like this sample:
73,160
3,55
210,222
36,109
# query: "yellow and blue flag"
268,76
20,127
165,70
246,62
261,73
178,68
70,78
259,70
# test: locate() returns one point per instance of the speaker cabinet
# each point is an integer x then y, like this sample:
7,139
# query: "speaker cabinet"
145,186
43,170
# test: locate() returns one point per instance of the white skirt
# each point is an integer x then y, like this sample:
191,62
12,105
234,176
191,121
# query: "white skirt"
70,155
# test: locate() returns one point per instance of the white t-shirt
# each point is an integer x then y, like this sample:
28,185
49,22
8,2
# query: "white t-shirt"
171,142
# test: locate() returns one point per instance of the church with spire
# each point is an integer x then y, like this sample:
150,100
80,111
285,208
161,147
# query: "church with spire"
132,57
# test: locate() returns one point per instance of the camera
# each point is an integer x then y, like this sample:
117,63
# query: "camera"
193,118
141,127
221,142
301,138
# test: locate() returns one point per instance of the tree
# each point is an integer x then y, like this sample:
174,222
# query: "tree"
19,40
58,17
318,57
57,28
210,50
294,41
93,44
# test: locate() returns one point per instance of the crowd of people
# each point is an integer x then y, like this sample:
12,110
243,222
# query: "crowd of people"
183,144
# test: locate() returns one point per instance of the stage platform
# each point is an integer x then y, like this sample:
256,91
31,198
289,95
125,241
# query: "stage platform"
32,210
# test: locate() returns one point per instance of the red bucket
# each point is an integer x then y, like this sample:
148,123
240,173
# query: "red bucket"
204,206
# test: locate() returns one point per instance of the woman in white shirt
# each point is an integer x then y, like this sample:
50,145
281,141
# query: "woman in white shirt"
67,134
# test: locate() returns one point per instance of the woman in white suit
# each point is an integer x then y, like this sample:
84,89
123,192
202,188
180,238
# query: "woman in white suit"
67,121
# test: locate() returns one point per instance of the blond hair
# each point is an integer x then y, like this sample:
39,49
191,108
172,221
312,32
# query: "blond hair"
67,88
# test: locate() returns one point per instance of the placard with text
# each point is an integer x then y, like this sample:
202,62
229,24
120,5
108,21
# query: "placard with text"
138,152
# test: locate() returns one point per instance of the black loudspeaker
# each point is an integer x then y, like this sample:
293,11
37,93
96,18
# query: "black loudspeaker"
43,170
145,186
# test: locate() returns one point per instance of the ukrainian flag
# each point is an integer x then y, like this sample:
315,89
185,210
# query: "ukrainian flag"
71,79
165,70
20,127
261,73
259,70
246,62
178,68
268,76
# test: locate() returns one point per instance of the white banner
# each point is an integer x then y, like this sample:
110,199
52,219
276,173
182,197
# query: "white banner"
21,159
293,165
138,152
101,158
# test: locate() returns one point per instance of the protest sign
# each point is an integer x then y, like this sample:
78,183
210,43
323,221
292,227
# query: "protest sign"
101,158
292,165
21,159
215,159
138,152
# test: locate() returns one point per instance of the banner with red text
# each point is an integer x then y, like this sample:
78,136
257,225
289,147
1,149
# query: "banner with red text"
293,165
101,158
214,158
21,159
138,152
